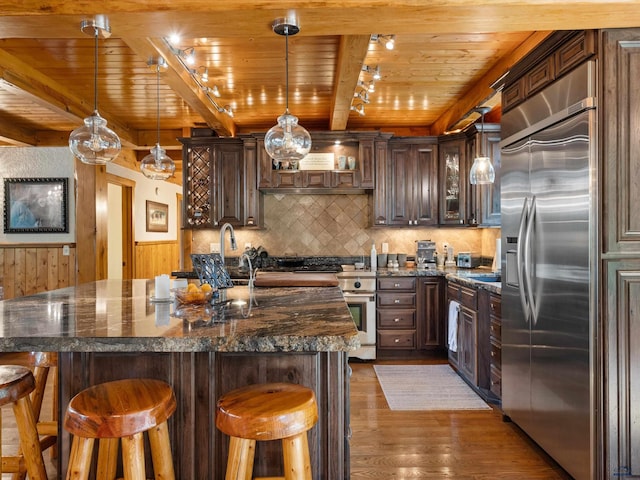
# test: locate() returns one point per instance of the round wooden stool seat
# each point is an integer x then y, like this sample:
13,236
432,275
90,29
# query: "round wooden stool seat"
121,409
16,383
270,411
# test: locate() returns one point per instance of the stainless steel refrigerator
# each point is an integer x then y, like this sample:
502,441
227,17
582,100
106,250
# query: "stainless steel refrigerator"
549,245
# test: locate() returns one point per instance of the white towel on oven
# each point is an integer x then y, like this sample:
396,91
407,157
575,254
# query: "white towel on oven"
454,309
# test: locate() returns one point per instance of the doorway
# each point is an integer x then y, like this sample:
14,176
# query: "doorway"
120,228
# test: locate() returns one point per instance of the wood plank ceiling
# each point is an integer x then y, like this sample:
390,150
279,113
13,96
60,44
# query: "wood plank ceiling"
447,55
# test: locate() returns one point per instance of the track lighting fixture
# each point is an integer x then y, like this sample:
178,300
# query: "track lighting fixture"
389,41
94,143
363,95
287,141
374,72
482,171
359,109
184,57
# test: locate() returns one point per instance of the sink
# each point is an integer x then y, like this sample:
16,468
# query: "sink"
483,277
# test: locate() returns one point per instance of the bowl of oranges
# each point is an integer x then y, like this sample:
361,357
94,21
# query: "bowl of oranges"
194,294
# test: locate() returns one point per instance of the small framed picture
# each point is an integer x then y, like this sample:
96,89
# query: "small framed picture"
35,205
157,217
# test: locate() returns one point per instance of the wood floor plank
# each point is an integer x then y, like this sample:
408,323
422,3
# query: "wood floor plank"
474,445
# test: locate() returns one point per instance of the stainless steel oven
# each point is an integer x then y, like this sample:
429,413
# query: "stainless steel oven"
359,290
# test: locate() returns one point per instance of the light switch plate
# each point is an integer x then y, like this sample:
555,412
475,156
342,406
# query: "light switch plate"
65,250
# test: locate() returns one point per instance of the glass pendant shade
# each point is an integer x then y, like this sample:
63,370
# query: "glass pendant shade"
94,143
157,165
482,171
287,141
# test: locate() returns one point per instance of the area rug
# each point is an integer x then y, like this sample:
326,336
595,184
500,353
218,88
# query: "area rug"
426,387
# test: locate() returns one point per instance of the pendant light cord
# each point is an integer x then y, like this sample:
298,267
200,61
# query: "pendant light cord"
286,63
158,101
95,71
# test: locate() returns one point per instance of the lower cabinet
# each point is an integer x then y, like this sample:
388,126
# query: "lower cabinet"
409,316
396,315
495,340
465,358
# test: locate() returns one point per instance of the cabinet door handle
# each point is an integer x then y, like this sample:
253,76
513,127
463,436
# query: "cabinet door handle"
396,300
396,340
396,320
396,285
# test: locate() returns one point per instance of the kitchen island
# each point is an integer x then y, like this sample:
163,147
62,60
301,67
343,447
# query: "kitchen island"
111,329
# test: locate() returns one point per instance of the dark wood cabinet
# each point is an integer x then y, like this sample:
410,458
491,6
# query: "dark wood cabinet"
430,319
219,182
411,190
396,315
495,341
465,359
454,179
409,316
358,145
484,200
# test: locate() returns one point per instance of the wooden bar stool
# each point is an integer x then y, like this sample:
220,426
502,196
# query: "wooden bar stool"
270,411
121,410
16,383
41,364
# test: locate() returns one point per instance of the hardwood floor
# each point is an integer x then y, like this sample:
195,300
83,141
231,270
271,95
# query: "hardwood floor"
457,445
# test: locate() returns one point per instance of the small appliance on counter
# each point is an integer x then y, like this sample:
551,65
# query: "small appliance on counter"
425,254
467,260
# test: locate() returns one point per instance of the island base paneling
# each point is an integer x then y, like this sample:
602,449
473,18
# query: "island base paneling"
200,378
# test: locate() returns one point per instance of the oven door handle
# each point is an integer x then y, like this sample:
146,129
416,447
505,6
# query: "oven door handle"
368,297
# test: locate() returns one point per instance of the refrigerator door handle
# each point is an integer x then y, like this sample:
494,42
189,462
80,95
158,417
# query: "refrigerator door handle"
528,270
520,249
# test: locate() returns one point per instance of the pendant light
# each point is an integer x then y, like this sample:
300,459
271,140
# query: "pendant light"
94,143
157,165
482,171
287,141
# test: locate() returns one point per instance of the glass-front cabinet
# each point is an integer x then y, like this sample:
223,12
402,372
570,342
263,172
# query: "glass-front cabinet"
453,181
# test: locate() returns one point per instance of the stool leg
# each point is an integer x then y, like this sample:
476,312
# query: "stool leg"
133,457
29,440
161,452
80,458
107,458
240,462
297,464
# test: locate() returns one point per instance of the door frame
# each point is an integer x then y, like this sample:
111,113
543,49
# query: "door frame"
128,189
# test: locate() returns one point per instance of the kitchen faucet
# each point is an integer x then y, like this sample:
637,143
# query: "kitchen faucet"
234,245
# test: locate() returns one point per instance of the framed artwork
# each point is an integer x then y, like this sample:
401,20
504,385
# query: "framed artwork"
35,205
157,217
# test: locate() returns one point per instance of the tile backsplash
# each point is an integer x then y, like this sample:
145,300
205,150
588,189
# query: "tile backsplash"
338,225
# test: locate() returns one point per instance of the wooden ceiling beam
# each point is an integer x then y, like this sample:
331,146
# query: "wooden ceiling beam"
351,54
199,18
182,83
16,136
21,79
482,90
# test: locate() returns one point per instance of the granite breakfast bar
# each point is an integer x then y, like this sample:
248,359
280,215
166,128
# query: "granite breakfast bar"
111,329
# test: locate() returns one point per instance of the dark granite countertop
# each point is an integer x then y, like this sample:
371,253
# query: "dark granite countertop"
118,316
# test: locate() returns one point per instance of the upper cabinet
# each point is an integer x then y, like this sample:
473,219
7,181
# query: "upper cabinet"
411,186
453,180
219,178
484,199
461,203
341,161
